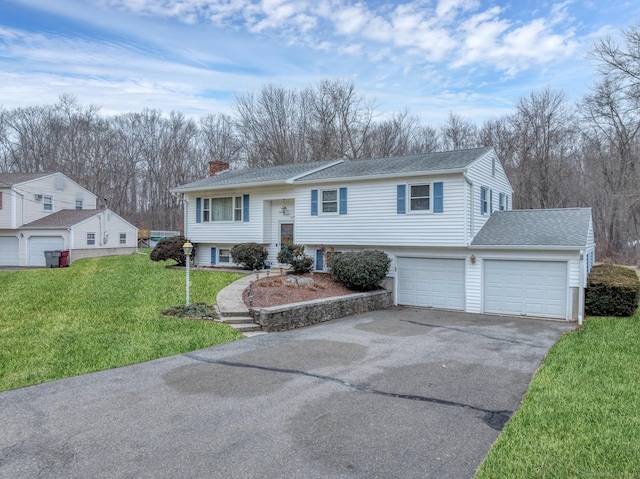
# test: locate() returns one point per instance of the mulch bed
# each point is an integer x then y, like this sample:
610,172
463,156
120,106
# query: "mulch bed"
273,291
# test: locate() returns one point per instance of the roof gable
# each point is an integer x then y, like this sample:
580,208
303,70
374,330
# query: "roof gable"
10,179
561,227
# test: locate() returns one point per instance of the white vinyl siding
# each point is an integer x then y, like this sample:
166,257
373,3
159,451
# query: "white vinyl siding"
373,217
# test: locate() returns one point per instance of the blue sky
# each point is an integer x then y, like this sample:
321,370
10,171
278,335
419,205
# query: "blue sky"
472,57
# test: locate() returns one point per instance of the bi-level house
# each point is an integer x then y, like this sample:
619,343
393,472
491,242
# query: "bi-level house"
445,219
48,212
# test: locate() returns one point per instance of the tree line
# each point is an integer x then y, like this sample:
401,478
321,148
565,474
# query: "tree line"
557,153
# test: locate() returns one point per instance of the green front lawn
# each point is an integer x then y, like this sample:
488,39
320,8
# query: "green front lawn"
99,314
580,417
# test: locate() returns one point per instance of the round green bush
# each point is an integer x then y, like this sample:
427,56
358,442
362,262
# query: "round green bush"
250,255
171,248
294,255
362,271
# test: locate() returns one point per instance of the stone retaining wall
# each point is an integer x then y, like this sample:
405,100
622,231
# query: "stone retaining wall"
297,315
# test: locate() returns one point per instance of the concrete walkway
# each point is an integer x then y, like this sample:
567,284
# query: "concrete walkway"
231,308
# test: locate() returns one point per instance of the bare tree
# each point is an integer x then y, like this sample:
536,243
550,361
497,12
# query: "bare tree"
458,133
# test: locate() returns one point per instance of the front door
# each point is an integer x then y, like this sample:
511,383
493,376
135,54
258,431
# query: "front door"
286,234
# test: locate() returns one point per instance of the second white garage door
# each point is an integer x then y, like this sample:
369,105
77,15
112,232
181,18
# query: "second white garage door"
39,244
431,282
529,288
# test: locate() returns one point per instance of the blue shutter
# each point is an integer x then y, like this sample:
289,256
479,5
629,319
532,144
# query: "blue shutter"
438,197
343,201
198,210
507,203
319,260
245,208
213,256
483,194
490,202
402,199
314,202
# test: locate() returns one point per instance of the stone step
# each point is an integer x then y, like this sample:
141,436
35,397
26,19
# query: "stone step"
233,314
236,319
246,327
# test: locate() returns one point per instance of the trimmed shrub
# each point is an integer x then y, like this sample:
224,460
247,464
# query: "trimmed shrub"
171,248
362,271
250,255
294,256
612,291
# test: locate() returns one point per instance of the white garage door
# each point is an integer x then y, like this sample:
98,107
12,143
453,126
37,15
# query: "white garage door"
432,282
527,288
8,251
37,245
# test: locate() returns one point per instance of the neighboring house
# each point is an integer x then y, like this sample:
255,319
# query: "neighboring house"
445,219
49,211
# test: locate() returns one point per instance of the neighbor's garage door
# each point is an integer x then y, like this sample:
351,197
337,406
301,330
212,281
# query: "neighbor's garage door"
437,283
528,288
8,251
37,245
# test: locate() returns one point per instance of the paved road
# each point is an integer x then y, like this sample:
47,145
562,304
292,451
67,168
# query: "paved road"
402,393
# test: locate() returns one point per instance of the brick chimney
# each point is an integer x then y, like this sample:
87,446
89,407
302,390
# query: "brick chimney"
216,166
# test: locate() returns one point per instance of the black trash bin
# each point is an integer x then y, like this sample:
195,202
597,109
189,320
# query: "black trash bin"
52,258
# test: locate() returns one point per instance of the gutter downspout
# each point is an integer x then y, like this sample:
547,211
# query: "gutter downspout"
581,287
471,219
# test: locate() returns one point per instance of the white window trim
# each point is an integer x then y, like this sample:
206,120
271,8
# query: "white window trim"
321,201
80,203
486,203
408,208
120,239
503,203
237,206
220,255
95,237
44,202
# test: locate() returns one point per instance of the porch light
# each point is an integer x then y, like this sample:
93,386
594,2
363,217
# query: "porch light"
284,209
473,259
187,248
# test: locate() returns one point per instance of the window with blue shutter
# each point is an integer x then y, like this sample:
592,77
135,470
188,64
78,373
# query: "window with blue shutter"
500,201
198,210
314,202
402,199
245,208
343,201
483,200
213,255
438,197
319,260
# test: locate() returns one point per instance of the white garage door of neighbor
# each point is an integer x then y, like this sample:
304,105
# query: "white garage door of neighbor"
431,282
8,251
39,244
526,288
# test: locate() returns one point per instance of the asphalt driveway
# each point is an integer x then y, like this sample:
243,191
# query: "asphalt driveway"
401,393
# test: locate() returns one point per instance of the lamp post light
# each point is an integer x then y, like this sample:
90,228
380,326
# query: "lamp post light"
187,248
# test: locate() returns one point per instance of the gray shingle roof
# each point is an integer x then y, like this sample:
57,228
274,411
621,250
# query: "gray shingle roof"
553,227
426,162
10,179
62,219
254,175
438,161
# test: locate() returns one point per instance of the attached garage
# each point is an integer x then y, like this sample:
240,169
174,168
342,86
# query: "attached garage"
9,250
431,282
526,288
37,245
